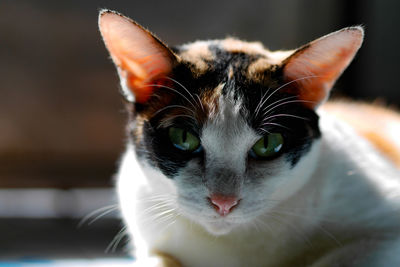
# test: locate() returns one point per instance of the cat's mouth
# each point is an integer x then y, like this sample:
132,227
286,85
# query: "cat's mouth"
213,222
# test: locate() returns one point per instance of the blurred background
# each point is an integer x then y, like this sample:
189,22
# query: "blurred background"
62,118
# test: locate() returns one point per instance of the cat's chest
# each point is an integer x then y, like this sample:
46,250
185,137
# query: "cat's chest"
268,246
194,247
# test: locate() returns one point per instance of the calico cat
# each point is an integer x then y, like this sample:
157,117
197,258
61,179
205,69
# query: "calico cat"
233,159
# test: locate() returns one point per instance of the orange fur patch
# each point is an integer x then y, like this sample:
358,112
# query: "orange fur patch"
137,130
230,73
375,123
236,46
167,259
208,105
197,54
258,67
210,102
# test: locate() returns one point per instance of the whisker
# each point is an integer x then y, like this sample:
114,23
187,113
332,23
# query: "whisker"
103,210
330,235
274,124
158,218
286,84
201,104
173,220
172,106
285,103
285,115
102,215
303,236
293,213
259,221
260,103
190,94
160,210
154,207
311,218
115,241
278,101
164,123
166,197
164,218
172,89
292,81
265,131
148,154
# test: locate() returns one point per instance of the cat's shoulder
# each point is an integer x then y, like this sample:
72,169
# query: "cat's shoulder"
376,123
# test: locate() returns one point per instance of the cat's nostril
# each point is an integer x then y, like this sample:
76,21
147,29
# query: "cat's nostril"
223,204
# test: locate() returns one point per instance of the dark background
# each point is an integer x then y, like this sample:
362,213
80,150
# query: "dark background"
61,115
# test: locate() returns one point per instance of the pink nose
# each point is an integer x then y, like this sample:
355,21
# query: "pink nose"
223,204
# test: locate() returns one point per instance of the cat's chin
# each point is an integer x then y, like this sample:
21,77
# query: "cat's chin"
219,228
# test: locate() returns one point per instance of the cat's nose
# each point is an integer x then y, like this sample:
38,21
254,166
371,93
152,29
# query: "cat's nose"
223,204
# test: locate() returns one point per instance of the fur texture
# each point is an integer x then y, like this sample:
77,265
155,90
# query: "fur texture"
328,198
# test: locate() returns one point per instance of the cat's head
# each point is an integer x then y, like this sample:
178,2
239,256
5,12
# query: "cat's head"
231,124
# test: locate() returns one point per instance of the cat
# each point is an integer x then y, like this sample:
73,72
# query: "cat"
234,157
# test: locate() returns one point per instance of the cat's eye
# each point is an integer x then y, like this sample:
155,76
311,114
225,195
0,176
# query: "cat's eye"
183,139
267,146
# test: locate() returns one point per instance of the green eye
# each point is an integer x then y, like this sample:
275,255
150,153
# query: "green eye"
183,139
268,146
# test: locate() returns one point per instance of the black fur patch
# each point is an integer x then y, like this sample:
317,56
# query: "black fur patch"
281,112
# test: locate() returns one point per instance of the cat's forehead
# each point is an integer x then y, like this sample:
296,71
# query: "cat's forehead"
203,56
225,126
221,72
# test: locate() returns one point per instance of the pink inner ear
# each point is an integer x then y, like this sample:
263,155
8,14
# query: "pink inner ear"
140,57
317,66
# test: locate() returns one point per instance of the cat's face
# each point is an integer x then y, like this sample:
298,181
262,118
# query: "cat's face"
229,123
226,106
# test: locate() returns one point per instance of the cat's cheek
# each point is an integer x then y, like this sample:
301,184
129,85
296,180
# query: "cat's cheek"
293,178
270,183
191,192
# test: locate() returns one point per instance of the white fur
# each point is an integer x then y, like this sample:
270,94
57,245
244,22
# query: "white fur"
342,180
337,206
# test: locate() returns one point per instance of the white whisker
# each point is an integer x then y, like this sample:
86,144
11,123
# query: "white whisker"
281,220
201,104
274,124
285,103
103,211
164,122
286,84
172,89
284,115
157,206
102,215
311,218
173,106
260,103
190,94
277,102
117,238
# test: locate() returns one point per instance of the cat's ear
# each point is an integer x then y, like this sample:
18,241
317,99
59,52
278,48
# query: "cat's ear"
142,60
314,68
